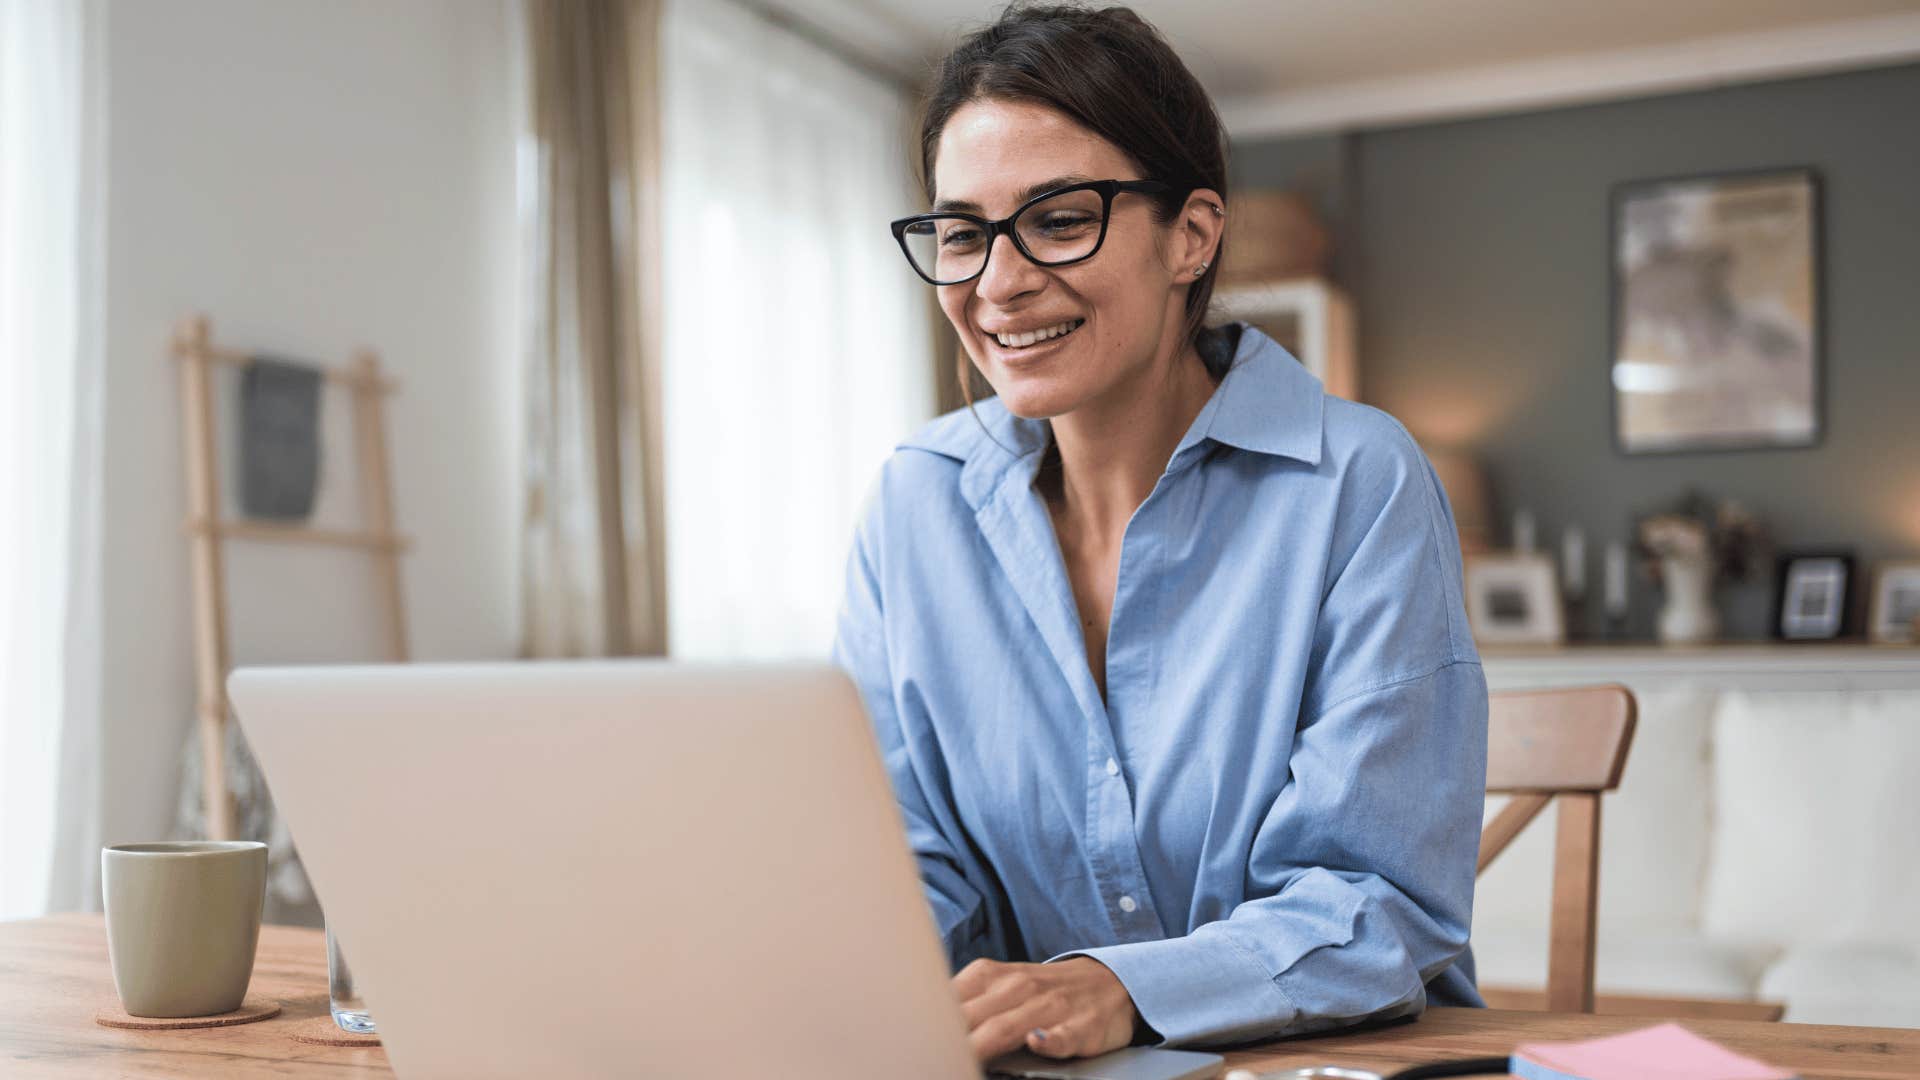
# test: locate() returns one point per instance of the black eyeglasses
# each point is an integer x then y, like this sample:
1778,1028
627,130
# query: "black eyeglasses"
1055,228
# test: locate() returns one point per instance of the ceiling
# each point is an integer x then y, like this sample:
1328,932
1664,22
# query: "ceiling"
1295,65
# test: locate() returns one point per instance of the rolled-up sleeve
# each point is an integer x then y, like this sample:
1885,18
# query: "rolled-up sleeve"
1378,903
1361,872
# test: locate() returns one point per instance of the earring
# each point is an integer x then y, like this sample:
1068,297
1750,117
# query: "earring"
1201,269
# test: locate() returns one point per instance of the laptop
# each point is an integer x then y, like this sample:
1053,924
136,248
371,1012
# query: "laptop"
620,868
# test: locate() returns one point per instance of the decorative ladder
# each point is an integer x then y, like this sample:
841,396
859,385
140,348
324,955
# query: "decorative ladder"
208,530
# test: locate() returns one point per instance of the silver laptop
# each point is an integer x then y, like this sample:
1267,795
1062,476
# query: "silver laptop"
617,869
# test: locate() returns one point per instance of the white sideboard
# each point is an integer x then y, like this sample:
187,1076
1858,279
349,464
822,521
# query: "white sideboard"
1726,666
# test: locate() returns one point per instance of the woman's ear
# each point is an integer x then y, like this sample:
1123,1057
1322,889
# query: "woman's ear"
1202,222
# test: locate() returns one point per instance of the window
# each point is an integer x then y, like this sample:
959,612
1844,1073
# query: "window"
48,442
797,348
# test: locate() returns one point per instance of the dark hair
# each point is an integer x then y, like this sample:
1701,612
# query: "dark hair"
1112,73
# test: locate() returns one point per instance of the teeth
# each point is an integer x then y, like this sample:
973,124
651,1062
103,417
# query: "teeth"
1022,340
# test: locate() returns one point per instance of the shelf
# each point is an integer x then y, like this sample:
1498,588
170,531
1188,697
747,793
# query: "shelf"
300,534
1310,317
1741,665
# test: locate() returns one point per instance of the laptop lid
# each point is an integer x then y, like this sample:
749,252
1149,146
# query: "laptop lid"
629,868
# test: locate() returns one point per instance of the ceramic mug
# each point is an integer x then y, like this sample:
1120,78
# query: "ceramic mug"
183,920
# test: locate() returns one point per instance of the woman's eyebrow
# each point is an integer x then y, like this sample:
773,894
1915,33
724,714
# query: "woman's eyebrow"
1020,197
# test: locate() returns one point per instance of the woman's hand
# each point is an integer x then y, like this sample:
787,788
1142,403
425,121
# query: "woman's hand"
1075,1008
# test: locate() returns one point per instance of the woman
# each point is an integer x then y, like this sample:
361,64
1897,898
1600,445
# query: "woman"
1164,648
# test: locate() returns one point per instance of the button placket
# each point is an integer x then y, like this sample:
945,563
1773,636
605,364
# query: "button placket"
1130,684
1118,869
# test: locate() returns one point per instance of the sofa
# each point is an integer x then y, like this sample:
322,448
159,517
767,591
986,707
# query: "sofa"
1763,845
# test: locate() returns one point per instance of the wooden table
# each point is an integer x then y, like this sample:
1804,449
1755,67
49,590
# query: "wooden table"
54,975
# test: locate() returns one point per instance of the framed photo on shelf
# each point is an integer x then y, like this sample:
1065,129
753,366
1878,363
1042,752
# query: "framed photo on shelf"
1810,603
1513,599
1716,312
1894,615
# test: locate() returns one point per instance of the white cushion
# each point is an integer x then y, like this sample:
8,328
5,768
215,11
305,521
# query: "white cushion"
1654,829
1516,892
1513,957
1870,984
1815,802
1668,964
1653,832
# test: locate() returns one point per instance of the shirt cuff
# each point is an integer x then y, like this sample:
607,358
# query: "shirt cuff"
1201,988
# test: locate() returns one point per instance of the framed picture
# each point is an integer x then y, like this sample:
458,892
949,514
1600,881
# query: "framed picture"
1811,601
1716,312
1512,599
1894,615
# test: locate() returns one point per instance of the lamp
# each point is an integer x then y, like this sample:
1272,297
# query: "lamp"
1465,483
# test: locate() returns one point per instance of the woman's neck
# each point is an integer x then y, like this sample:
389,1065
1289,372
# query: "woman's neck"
1112,451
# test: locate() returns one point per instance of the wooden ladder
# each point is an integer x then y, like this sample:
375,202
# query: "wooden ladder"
208,530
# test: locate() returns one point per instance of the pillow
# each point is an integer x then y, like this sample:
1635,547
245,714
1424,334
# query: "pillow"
1653,832
1816,796
1654,829
1516,892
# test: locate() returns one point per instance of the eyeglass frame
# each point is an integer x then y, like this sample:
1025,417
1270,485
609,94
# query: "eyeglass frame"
1107,189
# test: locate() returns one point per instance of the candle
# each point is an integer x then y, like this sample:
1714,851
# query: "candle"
1615,586
1523,531
1573,562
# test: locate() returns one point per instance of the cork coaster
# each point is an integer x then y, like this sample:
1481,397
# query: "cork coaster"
322,1031
253,1008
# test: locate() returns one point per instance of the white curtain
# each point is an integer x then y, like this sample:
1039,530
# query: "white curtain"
797,349
49,439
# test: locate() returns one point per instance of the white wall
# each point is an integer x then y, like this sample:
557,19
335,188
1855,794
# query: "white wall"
315,177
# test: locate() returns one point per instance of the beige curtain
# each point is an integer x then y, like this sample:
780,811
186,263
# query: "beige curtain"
593,567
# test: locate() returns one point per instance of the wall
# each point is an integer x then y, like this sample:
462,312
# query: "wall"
1482,269
314,177
1318,167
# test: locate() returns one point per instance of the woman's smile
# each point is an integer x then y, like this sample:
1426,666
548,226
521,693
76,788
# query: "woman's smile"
1029,343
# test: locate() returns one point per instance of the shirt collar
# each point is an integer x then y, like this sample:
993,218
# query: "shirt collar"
1269,403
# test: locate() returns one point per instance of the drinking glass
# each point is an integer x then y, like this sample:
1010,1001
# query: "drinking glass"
343,997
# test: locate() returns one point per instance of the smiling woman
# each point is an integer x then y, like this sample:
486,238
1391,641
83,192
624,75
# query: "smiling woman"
1164,646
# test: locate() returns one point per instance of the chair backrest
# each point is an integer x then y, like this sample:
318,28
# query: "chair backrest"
1572,745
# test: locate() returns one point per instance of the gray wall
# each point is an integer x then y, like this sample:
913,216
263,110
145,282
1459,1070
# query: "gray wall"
1479,252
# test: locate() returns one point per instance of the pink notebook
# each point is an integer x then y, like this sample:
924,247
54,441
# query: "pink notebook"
1666,1052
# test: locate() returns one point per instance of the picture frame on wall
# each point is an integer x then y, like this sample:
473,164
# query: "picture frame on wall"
1811,598
1716,322
1513,599
1894,615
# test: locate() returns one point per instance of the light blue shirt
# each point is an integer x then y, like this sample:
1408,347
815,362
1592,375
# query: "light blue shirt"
1269,826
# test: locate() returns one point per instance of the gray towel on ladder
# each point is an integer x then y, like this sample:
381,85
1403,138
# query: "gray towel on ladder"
279,438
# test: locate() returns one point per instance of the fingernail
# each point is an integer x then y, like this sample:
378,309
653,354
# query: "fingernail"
1039,1034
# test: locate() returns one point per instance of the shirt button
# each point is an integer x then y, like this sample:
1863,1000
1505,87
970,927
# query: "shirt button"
1127,904
1113,767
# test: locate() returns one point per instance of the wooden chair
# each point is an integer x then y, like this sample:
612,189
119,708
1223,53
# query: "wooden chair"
1571,745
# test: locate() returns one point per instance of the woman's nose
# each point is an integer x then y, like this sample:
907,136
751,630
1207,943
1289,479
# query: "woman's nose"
1009,273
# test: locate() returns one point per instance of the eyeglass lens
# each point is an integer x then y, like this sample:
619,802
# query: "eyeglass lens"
1060,229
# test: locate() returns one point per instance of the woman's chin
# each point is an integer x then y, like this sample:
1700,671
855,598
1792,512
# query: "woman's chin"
1037,402
1037,397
